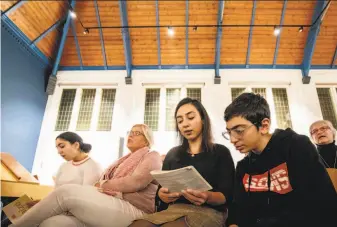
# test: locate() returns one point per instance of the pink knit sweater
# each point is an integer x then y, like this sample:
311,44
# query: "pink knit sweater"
138,188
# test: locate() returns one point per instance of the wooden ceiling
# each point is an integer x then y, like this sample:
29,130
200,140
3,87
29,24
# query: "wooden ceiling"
35,17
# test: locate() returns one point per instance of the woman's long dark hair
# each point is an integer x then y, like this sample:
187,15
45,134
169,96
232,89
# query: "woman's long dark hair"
207,138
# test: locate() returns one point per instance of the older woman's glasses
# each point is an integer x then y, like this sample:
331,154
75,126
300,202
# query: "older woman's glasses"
316,130
135,133
236,132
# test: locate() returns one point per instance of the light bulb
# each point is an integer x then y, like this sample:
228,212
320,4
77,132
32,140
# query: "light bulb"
170,31
72,14
277,31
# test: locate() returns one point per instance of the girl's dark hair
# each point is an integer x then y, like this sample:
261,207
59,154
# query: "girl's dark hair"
207,138
72,138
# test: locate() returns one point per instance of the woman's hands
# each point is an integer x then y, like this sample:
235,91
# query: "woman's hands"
168,197
110,192
196,197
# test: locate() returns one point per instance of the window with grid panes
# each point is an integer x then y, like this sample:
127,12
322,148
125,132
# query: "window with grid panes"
172,99
86,108
260,91
194,93
326,103
65,109
282,108
106,110
236,92
151,115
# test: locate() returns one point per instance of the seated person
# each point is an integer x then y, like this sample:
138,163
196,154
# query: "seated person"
79,168
281,182
323,134
213,161
126,191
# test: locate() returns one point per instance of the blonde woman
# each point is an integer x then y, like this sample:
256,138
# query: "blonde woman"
124,193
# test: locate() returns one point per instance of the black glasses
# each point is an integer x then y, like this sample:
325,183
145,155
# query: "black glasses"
237,133
134,133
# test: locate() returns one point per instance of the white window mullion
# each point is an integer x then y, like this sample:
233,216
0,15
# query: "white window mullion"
162,110
76,110
333,92
183,93
270,100
95,111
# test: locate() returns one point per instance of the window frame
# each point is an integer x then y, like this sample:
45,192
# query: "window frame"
333,94
77,102
162,99
269,98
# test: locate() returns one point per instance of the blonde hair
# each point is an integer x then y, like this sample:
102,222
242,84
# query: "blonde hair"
146,130
325,122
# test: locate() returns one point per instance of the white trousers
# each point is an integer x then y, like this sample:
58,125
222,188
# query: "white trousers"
88,206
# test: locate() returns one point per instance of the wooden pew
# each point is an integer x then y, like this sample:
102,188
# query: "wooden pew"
17,181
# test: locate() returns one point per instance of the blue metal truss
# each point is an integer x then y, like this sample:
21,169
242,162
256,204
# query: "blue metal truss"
48,30
311,41
158,35
8,23
14,7
196,66
218,38
101,35
78,49
186,44
279,36
334,59
126,37
250,34
63,40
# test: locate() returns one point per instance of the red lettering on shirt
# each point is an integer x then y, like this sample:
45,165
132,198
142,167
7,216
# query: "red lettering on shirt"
279,181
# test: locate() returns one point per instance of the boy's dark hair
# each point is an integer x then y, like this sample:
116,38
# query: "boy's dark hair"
72,138
250,106
207,138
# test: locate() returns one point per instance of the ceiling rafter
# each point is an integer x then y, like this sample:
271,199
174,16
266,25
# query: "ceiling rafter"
218,38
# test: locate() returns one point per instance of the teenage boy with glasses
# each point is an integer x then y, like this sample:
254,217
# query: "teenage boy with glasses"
280,182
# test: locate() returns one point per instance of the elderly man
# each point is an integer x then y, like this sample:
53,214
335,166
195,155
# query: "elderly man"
323,134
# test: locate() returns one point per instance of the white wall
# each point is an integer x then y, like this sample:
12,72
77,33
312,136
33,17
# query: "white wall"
130,100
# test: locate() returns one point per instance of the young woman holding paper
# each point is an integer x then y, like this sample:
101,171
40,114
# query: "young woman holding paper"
214,162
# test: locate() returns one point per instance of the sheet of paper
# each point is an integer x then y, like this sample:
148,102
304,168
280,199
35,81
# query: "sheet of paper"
181,179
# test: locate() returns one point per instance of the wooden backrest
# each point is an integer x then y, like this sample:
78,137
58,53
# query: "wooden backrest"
12,170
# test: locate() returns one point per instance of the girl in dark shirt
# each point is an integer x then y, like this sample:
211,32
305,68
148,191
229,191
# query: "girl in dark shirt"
213,161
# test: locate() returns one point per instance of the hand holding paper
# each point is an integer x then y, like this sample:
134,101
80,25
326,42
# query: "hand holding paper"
168,197
196,197
181,179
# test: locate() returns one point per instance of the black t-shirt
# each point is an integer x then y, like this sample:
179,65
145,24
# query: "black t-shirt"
216,166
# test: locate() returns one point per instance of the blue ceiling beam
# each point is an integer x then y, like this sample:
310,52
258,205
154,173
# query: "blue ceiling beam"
311,40
158,35
218,38
48,30
63,40
279,36
250,33
78,49
197,66
126,37
334,59
186,44
24,40
101,34
14,7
